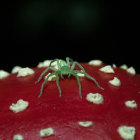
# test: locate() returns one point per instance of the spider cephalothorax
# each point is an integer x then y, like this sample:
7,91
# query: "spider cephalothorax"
64,68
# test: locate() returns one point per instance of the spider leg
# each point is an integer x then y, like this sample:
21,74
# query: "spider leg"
53,61
73,66
78,64
90,77
57,60
69,75
61,75
58,64
57,82
42,86
46,70
71,60
79,84
68,60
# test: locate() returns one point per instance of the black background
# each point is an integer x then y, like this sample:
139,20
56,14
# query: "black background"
32,31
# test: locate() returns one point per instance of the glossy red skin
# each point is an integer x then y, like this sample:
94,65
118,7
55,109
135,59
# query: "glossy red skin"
63,114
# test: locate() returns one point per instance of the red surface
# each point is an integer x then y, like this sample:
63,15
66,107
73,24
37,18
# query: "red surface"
62,114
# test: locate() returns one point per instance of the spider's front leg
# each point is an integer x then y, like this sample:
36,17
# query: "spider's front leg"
73,66
42,86
78,64
46,70
79,84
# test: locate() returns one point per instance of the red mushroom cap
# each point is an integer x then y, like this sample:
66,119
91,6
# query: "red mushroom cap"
69,117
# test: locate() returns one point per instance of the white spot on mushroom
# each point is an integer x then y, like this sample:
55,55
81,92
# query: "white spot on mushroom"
95,98
3,74
131,104
115,82
46,132
46,63
24,72
127,132
16,69
18,137
80,75
51,78
95,62
124,66
86,123
131,70
19,106
114,66
107,69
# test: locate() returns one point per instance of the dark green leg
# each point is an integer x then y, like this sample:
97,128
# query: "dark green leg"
53,61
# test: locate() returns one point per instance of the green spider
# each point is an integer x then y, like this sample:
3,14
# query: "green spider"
64,68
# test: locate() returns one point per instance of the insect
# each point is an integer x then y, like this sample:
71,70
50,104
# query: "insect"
64,68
